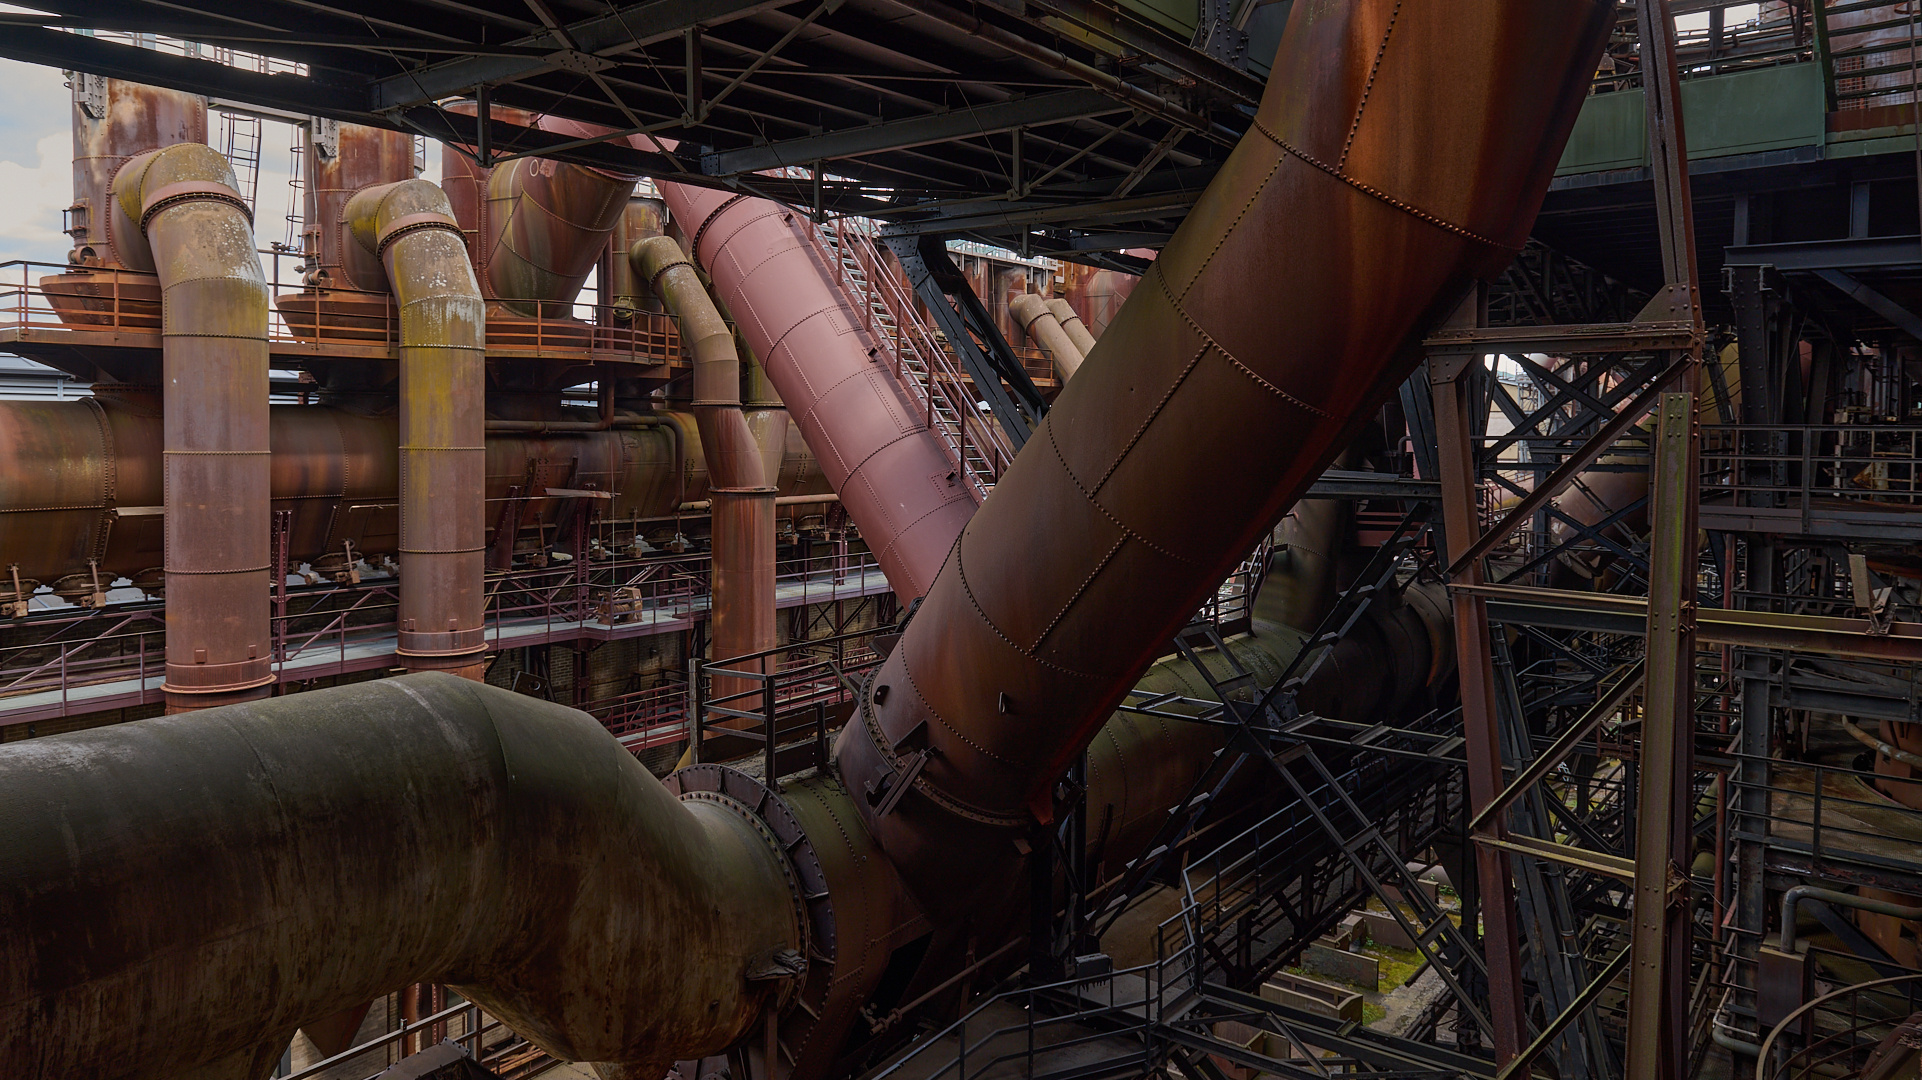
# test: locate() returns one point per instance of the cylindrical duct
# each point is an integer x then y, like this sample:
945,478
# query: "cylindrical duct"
890,468
550,221
340,160
189,890
626,292
1039,322
743,495
411,227
113,120
1071,322
1399,152
182,219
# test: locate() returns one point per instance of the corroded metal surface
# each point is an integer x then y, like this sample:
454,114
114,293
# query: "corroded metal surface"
84,480
355,157
410,228
1077,330
549,222
743,492
877,450
272,862
1399,153
119,121
176,213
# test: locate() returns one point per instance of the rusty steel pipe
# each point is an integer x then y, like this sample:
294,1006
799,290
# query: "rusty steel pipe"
355,157
179,216
410,228
1376,184
742,494
549,222
1077,330
889,466
187,891
1038,320
114,120
85,485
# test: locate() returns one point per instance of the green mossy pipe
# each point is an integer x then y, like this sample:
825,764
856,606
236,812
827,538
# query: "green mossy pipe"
191,889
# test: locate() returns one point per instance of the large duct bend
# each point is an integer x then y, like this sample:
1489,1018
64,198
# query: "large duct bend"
550,222
1400,151
410,228
741,489
1071,323
191,889
177,213
1040,322
891,470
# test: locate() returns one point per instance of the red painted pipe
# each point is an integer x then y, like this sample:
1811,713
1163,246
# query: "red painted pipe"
1400,152
890,468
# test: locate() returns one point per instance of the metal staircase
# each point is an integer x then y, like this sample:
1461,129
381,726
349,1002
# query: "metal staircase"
921,361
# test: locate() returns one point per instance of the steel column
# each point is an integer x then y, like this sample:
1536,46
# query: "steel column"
1658,980
1454,399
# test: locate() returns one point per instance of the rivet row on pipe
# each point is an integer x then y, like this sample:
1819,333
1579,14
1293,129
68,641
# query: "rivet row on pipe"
177,213
410,229
1400,151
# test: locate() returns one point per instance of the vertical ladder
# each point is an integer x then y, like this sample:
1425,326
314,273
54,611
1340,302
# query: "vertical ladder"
241,138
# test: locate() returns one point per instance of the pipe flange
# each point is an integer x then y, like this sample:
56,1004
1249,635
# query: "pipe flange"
804,866
192,191
694,242
872,725
413,223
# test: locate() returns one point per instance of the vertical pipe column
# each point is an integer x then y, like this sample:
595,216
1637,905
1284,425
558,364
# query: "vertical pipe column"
742,493
179,215
410,227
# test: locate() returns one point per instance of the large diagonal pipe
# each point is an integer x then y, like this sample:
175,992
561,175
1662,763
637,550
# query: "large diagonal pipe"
408,230
177,213
1400,151
890,468
345,843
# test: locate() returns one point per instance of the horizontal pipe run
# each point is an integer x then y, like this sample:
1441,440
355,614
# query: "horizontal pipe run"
1795,896
189,890
780,500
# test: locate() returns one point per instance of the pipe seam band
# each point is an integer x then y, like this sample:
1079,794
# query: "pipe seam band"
1376,193
192,191
218,453
872,726
443,449
261,569
440,551
412,223
694,242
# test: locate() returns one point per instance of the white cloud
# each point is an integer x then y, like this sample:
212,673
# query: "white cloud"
32,198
